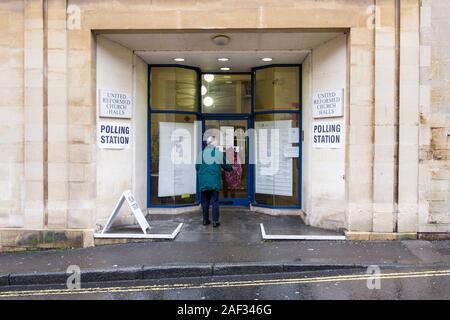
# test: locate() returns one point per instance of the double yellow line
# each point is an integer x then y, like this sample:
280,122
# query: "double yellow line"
226,284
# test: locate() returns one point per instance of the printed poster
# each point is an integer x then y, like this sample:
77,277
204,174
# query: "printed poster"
273,166
177,151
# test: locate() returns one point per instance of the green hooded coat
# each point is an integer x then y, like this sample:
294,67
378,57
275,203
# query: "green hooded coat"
209,164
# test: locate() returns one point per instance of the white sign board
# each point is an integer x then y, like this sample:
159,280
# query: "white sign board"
177,175
273,168
328,104
114,104
140,218
328,134
134,206
112,135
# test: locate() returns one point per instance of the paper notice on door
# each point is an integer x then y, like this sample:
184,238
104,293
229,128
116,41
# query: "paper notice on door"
177,175
291,152
227,136
294,136
273,168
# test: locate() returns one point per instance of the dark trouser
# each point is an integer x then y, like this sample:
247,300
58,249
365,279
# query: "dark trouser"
210,197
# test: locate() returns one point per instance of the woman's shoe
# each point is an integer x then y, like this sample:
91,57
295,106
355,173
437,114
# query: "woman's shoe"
205,223
216,224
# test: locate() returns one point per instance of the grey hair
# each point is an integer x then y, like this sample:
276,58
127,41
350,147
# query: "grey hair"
210,140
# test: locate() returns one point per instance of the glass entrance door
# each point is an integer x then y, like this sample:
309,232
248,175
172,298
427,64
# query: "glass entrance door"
230,132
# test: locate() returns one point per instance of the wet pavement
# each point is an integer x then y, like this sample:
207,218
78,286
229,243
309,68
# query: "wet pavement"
237,225
158,253
237,240
409,283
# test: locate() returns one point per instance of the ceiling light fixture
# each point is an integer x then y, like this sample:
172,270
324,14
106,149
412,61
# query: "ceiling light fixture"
223,59
208,101
266,59
221,40
178,59
225,69
208,77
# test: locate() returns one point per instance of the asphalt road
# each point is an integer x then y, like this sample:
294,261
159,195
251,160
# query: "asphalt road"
399,283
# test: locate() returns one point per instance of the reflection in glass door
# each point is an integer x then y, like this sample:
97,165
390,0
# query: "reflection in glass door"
233,142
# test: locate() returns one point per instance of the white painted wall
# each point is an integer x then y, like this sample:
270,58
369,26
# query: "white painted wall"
118,170
306,127
140,95
323,169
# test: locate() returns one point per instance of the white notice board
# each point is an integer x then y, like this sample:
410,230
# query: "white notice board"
177,150
273,165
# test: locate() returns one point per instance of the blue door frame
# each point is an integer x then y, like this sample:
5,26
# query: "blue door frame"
223,116
235,201
300,126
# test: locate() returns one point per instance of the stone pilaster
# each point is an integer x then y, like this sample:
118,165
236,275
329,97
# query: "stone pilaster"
12,113
359,164
57,114
34,162
81,121
384,177
408,117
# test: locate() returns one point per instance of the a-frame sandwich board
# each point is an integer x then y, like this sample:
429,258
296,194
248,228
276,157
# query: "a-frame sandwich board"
143,223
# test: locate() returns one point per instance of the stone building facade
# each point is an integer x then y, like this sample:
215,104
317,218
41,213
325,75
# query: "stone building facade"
391,178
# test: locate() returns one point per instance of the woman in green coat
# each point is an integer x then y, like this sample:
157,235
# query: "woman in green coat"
209,167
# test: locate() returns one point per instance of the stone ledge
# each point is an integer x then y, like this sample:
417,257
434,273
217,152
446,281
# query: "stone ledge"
12,239
432,236
279,212
379,236
111,241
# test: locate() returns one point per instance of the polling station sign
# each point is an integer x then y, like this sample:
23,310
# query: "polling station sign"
112,135
328,134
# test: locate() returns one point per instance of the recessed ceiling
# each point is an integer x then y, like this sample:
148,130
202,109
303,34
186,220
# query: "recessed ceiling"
241,61
239,41
245,49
